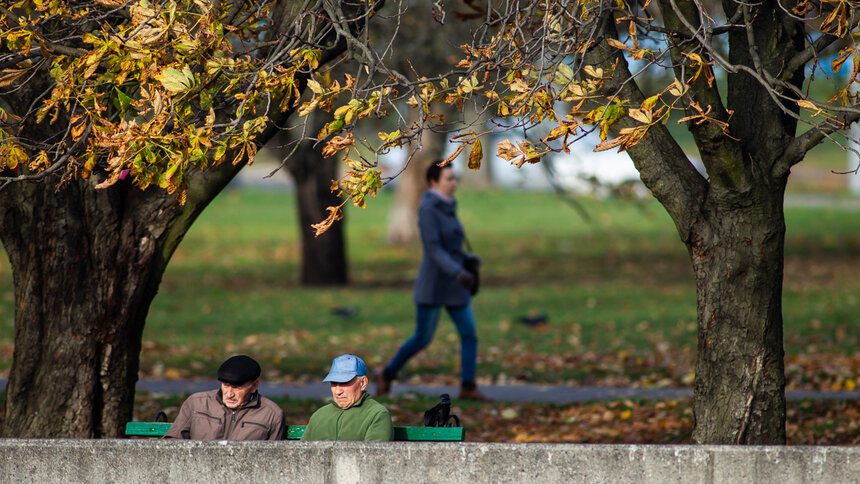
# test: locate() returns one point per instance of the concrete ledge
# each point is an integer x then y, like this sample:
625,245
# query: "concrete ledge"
136,461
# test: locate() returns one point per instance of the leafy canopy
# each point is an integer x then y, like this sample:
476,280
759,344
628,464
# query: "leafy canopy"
532,64
144,89
149,89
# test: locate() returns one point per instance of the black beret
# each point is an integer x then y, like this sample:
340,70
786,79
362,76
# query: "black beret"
239,369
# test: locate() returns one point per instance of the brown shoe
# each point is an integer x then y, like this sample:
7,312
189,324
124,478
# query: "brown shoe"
474,394
383,385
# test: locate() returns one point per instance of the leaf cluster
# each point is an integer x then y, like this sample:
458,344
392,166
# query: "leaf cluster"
147,90
565,65
151,90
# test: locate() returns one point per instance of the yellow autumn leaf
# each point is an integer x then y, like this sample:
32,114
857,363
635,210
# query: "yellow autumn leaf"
78,130
308,107
476,155
337,143
509,413
650,102
678,88
810,106
341,111
592,71
643,116
564,75
40,161
166,180
89,164
694,57
577,90
8,76
150,35
14,155
844,54
92,63
251,151
556,133
519,86
315,86
177,81
172,374
618,45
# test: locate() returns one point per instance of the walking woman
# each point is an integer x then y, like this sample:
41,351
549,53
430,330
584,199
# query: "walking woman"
442,282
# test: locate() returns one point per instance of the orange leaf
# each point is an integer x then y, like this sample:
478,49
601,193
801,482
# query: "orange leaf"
609,144
337,143
334,214
508,151
447,161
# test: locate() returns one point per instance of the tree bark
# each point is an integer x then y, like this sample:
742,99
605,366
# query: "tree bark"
737,257
732,223
86,266
324,261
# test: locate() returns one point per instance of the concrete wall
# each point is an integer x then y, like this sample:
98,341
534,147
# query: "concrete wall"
137,461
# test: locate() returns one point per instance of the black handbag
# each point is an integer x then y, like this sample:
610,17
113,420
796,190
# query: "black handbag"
472,264
440,415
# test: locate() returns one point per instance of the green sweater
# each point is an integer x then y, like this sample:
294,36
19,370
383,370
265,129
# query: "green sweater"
366,420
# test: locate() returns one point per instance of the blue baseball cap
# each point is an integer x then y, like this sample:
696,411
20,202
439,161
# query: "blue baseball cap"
346,367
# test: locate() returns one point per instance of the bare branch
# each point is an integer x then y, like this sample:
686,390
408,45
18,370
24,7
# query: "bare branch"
801,145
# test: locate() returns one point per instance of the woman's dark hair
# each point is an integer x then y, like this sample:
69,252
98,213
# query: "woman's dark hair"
434,171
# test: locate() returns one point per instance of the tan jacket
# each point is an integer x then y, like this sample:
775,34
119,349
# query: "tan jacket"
203,416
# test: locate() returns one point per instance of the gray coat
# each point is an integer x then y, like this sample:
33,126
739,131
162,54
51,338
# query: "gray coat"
442,239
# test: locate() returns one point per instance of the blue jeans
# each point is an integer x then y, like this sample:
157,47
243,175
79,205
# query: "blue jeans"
426,319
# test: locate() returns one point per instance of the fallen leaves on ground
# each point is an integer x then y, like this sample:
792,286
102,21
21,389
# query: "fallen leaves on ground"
809,422
661,368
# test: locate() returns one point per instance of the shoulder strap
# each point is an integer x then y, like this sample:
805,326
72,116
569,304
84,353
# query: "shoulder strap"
466,243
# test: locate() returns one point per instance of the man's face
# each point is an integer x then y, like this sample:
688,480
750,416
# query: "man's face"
346,394
234,396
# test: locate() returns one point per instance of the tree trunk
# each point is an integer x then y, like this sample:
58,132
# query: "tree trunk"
403,217
411,184
737,257
86,265
85,270
732,220
324,261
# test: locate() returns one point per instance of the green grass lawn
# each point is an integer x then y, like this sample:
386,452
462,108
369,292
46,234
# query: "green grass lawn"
617,290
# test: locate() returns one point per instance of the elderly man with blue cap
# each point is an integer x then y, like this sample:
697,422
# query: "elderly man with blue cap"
236,411
353,414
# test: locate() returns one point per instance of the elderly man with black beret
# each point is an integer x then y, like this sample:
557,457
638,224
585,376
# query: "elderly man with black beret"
234,412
